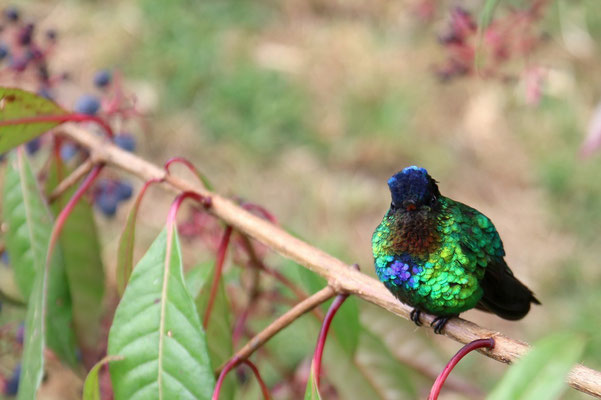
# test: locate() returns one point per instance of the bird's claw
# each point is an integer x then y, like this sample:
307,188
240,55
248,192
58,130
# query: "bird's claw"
439,323
415,316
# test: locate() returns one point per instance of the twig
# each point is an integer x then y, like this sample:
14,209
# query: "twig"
338,274
81,171
283,321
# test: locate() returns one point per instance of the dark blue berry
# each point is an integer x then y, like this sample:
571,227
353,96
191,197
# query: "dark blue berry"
20,333
123,190
87,104
5,258
3,51
102,78
25,35
126,141
33,145
11,14
46,93
12,385
68,151
107,203
51,35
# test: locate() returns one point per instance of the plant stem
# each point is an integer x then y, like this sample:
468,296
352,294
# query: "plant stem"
229,366
283,321
221,253
323,333
476,344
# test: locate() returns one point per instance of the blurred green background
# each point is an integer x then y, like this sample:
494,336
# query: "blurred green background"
308,106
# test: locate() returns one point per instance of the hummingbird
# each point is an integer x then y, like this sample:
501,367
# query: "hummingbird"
443,257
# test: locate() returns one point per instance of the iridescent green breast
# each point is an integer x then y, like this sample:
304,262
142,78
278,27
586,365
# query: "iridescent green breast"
434,261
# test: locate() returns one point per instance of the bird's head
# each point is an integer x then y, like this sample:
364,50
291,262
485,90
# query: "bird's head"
413,189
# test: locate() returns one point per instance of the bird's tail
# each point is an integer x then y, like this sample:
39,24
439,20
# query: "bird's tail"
504,294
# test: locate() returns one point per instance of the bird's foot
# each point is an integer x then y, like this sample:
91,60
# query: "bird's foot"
415,316
439,323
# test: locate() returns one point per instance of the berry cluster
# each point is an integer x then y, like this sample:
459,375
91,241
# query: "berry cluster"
506,38
24,55
108,193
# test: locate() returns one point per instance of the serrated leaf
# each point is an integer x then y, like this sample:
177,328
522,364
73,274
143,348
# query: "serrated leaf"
91,389
541,373
219,329
312,393
158,332
82,259
17,104
29,226
393,379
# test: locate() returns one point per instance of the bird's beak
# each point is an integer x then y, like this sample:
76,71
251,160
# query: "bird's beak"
409,205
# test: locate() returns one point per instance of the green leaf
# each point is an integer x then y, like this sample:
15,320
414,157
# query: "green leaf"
125,252
28,221
392,378
29,227
541,373
312,393
158,332
219,330
196,278
82,259
17,104
32,361
91,390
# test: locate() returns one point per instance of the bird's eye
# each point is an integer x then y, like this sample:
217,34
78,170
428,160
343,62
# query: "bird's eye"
433,200
392,206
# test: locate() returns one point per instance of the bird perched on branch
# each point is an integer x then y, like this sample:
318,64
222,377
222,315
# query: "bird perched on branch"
443,257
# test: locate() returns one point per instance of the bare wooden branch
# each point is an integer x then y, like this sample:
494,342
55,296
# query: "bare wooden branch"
81,171
283,321
339,275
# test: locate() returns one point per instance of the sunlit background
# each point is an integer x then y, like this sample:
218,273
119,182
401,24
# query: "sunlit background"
308,107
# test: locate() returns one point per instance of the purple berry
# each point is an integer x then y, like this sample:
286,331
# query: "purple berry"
5,258
11,14
25,35
126,141
33,145
123,190
51,35
20,333
87,104
46,93
107,203
68,151
102,78
3,51
12,385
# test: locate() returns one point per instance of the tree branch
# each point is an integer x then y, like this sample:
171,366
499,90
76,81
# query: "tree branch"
339,275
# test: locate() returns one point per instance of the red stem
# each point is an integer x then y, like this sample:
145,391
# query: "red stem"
476,344
228,367
73,117
221,253
321,341
261,210
66,211
191,167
